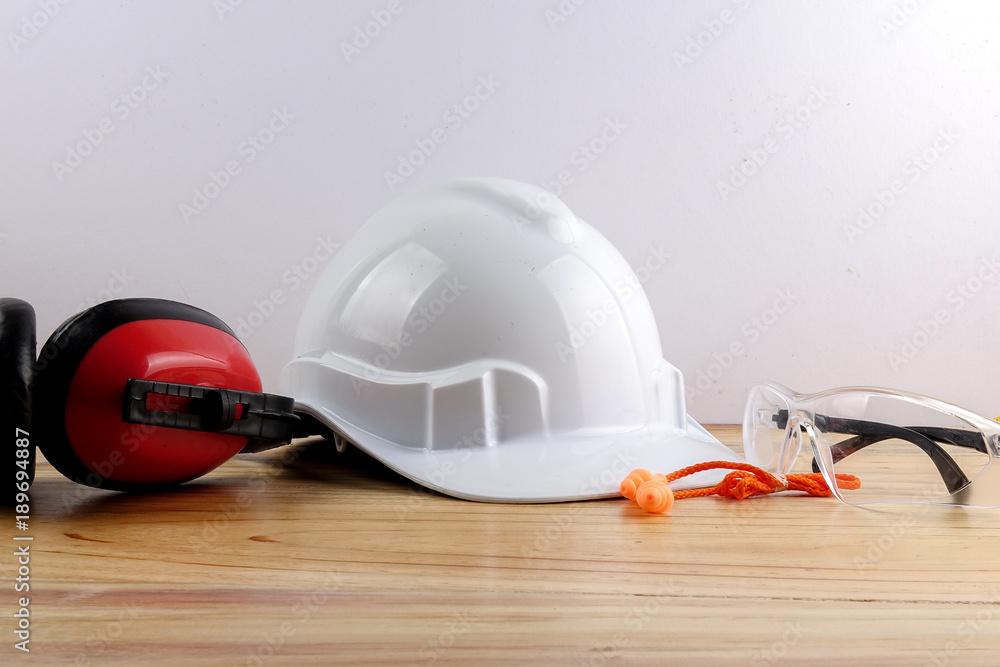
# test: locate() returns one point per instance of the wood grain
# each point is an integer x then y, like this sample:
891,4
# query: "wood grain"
302,556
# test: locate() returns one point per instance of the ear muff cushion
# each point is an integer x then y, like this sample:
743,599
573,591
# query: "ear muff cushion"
69,418
17,361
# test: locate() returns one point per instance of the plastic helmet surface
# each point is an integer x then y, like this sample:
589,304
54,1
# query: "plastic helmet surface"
481,340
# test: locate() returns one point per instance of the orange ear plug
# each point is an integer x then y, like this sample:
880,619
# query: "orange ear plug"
655,495
634,481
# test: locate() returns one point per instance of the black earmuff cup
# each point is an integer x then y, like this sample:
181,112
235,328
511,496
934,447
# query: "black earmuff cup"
61,357
17,361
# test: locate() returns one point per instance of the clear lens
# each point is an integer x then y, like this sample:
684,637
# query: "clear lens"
764,425
901,449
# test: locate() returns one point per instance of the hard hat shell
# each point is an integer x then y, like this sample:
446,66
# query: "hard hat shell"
483,341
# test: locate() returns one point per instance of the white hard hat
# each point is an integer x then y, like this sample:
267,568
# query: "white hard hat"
481,340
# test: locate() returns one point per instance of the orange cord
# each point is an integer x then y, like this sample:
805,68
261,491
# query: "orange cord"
653,493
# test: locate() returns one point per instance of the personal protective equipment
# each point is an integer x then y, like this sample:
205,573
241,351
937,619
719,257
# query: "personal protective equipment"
481,340
904,448
132,394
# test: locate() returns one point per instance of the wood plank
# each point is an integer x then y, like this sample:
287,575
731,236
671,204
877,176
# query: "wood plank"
330,559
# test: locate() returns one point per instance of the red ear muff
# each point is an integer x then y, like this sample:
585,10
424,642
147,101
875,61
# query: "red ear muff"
149,362
17,360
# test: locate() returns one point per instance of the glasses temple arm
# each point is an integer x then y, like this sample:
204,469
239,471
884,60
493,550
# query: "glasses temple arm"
869,433
954,436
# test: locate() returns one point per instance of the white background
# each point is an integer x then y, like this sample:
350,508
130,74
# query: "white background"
889,81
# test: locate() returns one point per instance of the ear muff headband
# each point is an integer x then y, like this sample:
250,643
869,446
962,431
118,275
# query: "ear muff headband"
17,359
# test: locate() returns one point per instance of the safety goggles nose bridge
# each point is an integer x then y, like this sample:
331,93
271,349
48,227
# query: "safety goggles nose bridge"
798,426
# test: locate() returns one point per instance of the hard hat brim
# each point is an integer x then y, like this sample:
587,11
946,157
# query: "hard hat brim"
533,470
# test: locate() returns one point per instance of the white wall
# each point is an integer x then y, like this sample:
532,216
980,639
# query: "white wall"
888,81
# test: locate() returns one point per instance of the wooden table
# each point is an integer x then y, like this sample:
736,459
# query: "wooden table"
302,556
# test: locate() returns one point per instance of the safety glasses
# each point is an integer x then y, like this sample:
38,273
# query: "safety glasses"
905,448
